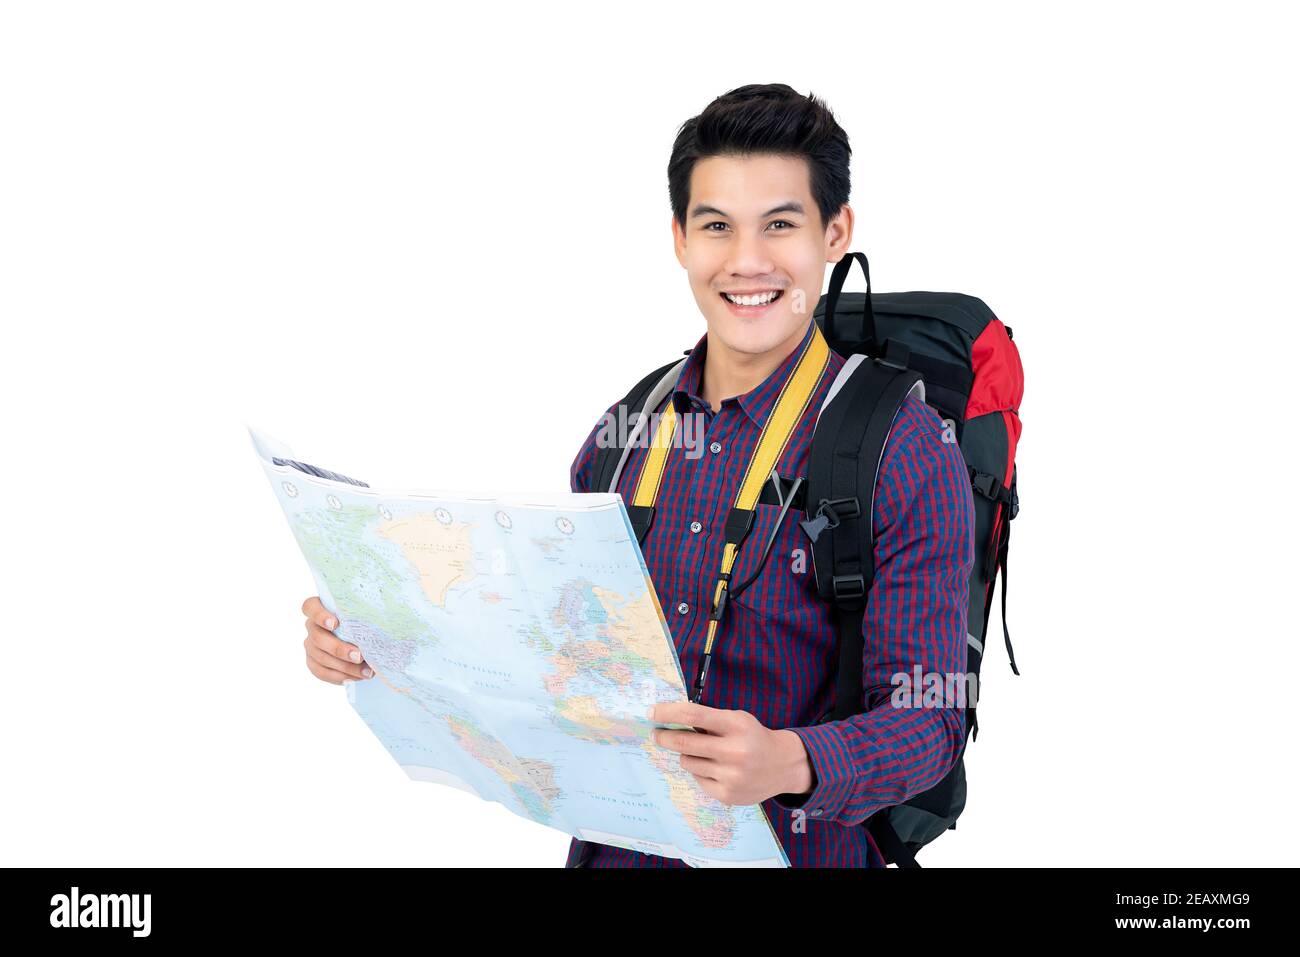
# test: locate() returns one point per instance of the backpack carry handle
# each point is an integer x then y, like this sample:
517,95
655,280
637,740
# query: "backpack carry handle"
838,275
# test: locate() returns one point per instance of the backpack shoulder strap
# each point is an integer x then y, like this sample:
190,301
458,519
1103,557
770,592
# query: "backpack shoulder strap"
843,466
646,394
847,445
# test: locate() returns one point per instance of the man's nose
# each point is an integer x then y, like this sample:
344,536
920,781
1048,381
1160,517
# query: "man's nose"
749,257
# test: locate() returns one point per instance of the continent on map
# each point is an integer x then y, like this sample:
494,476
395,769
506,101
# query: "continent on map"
530,779
361,579
441,553
603,669
713,822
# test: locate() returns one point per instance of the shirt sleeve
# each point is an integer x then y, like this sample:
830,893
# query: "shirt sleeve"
585,460
915,617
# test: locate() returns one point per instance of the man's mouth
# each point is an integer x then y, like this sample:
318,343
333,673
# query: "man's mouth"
756,299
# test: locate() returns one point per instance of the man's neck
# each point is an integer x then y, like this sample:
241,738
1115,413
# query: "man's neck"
728,373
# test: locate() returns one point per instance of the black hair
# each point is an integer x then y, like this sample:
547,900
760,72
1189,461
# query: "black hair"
765,118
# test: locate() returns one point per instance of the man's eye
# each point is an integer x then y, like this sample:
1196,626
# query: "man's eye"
786,221
709,227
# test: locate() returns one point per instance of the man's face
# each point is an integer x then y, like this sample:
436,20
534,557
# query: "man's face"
753,230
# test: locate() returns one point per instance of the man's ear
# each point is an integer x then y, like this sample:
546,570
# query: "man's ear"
679,242
839,234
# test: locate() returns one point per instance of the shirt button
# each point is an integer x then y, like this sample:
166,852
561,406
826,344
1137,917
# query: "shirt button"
683,608
715,448
695,527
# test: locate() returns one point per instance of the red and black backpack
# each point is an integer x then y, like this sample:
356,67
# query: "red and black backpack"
954,351
973,378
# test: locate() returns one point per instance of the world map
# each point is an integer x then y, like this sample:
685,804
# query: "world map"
518,648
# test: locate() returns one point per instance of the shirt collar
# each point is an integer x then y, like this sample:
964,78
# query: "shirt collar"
758,402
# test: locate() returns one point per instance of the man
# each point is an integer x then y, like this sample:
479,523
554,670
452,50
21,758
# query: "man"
759,186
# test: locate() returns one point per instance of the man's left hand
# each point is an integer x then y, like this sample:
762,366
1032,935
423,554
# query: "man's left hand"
733,757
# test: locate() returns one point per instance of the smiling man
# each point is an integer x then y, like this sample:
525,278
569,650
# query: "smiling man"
759,185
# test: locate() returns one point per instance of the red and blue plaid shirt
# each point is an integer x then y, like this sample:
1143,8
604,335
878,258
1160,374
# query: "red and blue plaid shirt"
776,652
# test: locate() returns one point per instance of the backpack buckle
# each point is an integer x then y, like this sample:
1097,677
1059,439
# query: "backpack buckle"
986,484
848,586
895,354
828,515
850,509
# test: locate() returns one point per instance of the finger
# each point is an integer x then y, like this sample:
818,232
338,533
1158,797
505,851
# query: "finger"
318,613
702,769
325,659
327,674
696,715
688,742
331,645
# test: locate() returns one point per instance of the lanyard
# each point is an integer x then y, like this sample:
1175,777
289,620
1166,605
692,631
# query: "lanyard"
790,406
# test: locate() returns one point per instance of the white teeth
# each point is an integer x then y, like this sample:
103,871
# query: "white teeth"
761,299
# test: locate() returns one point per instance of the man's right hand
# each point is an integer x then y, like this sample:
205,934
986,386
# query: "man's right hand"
329,658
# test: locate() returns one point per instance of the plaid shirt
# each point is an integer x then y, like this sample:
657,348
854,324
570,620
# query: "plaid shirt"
776,653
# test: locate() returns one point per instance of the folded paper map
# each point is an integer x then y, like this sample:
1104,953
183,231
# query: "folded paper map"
518,647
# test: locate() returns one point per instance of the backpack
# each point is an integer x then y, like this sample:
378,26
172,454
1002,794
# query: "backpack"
954,352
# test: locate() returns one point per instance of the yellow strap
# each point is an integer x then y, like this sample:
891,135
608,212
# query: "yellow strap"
647,486
789,408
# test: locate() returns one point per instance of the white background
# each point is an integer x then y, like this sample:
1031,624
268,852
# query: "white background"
428,245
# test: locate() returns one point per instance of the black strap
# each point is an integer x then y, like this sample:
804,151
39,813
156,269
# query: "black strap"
640,516
846,450
848,680
853,476
836,338
939,374
607,457
1006,633
887,840
837,456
